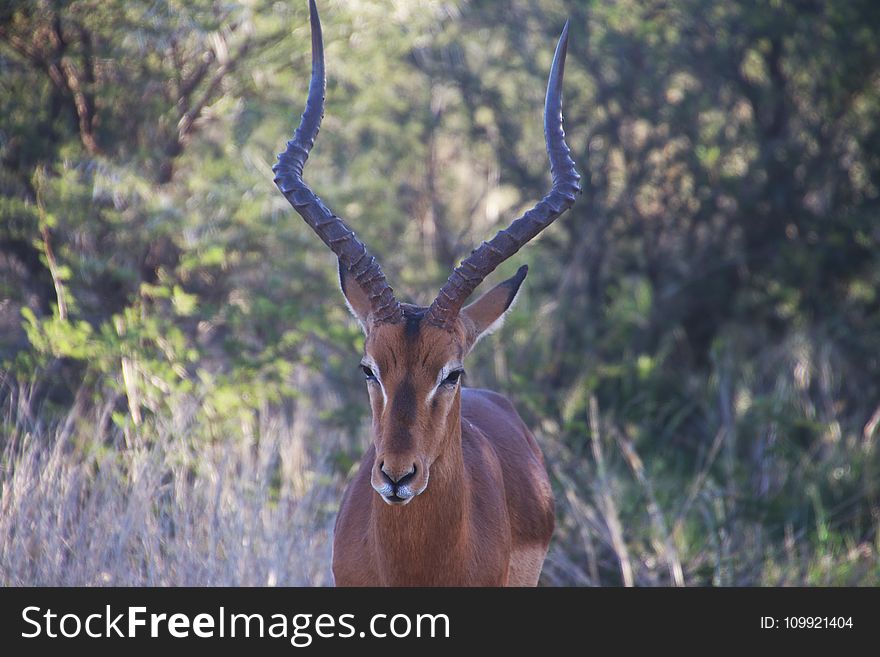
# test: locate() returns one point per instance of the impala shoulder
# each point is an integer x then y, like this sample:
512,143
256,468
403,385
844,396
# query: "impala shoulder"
476,399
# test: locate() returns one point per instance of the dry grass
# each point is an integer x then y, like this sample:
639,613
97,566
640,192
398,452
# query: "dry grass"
171,502
76,510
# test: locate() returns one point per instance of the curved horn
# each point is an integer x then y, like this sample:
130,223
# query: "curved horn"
331,229
483,260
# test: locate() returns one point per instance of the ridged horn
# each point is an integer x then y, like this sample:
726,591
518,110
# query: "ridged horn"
332,230
485,259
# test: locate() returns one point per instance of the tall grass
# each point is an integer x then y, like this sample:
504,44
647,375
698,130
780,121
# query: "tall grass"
154,506
783,488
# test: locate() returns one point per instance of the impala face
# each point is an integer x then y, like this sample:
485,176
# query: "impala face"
413,371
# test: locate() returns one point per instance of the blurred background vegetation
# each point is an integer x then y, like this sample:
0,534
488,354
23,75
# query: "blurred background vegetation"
697,347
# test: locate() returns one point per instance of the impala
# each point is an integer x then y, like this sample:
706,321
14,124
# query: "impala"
453,489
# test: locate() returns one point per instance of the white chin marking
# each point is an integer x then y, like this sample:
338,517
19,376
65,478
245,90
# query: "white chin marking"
404,493
401,502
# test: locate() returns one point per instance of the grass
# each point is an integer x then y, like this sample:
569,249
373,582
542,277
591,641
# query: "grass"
157,508
761,505
88,501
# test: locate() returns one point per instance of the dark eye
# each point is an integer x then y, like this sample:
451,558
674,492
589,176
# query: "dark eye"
453,378
368,373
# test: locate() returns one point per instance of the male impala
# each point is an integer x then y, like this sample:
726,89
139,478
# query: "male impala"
453,490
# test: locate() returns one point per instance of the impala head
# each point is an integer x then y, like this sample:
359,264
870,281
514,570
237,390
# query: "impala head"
413,370
414,356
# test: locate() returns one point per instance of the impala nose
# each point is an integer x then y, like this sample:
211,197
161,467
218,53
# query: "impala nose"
399,480
395,477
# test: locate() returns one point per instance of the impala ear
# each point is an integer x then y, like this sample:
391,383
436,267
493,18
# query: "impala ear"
486,314
355,298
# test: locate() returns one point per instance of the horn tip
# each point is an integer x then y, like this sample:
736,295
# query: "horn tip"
563,37
314,18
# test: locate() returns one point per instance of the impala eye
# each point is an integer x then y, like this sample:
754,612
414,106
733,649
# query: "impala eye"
368,373
453,378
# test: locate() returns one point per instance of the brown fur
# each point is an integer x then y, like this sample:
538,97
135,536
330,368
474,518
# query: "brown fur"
486,515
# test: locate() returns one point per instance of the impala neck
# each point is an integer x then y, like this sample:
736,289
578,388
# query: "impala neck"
418,542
